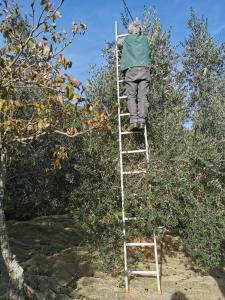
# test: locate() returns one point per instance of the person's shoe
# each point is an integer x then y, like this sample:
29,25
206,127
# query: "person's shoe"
141,125
133,127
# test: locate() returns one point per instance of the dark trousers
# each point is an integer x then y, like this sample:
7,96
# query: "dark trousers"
137,88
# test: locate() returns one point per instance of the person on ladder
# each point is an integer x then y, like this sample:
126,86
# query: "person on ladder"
135,63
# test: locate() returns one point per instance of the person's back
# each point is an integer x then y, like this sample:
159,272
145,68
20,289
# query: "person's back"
135,52
135,63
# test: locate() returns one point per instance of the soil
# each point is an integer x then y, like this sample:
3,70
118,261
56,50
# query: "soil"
57,266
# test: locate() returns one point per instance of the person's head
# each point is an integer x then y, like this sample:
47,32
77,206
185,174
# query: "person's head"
134,28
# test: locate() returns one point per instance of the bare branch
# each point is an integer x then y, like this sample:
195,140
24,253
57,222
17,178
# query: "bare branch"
20,52
39,23
73,135
32,7
64,46
32,137
29,138
38,86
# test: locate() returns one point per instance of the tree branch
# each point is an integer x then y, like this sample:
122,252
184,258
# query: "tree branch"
32,137
73,135
39,23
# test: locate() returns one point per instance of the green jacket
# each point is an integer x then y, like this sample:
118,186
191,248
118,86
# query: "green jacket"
135,52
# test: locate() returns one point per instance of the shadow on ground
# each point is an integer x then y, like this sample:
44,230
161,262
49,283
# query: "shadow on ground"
51,250
219,276
179,296
51,253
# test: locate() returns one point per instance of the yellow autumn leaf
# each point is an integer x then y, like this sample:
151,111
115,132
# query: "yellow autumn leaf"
44,27
29,127
40,125
69,92
60,99
89,85
57,164
71,131
59,79
109,128
31,45
77,96
75,82
57,14
2,105
89,108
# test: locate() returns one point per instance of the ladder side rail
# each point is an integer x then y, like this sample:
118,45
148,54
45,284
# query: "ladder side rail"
146,144
122,173
157,265
121,161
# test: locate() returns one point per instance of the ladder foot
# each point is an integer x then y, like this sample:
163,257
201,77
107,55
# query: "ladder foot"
159,292
126,290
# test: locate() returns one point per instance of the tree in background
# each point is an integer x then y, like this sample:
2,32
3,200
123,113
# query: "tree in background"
35,97
95,202
184,188
99,194
203,63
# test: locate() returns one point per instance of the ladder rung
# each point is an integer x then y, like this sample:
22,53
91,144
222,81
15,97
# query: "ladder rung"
134,172
133,151
140,244
122,35
124,114
121,80
144,272
123,97
130,132
130,219
118,65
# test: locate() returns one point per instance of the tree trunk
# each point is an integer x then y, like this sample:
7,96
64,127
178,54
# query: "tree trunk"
15,271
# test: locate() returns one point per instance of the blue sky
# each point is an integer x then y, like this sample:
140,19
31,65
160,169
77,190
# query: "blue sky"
100,16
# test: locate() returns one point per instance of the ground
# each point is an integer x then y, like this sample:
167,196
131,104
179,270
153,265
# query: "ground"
53,254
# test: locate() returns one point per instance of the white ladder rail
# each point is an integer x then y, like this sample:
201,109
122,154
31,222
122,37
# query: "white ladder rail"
146,144
122,173
157,264
121,164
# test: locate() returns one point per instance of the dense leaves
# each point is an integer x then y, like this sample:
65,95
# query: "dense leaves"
184,189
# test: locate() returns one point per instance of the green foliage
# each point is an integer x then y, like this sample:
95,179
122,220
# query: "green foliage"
34,187
97,194
184,189
203,63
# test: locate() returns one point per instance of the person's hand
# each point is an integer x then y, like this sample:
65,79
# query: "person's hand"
120,43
